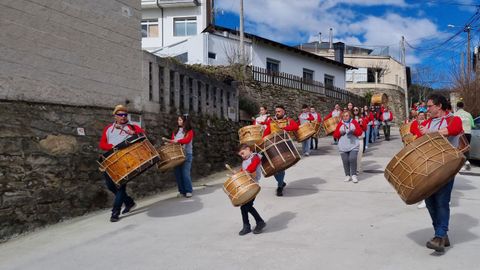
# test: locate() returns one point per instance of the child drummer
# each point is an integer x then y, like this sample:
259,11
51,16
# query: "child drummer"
251,164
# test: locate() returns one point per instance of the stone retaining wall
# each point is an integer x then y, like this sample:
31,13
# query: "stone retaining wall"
49,173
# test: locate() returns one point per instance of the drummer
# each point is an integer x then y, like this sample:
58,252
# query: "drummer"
291,126
316,117
112,135
183,135
438,204
252,164
335,113
303,118
262,117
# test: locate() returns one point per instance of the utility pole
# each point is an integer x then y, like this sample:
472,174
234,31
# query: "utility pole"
407,111
242,37
468,58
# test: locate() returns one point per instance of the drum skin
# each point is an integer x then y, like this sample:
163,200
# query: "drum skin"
305,131
250,135
423,167
331,124
129,159
278,153
171,156
241,188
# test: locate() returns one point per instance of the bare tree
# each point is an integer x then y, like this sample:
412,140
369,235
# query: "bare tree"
466,85
380,69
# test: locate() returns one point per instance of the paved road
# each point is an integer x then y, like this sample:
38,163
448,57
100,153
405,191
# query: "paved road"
320,223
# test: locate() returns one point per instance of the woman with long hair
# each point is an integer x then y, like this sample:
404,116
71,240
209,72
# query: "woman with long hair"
183,135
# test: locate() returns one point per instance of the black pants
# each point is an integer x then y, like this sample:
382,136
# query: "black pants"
248,208
386,132
314,139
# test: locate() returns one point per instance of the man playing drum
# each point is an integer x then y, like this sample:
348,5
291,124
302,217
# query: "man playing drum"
114,134
438,204
291,126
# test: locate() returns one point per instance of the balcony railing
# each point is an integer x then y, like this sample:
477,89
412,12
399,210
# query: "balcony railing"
171,3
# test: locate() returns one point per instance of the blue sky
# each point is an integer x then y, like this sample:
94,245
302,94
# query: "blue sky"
365,22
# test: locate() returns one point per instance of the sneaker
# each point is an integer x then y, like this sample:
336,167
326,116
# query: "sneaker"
188,194
280,191
129,208
259,228
354,179
179,195
246,229
347,178
467,165
366,147
421,205
307,154
437,244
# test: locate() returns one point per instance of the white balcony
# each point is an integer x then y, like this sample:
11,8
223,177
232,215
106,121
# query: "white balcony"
169,3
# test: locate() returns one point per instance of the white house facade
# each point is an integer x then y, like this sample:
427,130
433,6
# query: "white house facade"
184,32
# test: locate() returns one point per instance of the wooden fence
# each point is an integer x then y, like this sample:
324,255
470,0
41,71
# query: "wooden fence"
295,82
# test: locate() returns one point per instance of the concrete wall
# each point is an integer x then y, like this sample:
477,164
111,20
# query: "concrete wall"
77,52
182,89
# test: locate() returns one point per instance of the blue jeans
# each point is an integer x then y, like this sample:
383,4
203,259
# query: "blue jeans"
279,176
367,135
306,146
120,192
375,132
438,206
182,175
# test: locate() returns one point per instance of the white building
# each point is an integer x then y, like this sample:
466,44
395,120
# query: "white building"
184,31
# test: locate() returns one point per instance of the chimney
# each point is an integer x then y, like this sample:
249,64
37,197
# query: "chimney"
339,49
330,47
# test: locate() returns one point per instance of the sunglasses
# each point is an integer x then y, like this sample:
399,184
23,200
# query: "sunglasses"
355,109
122,114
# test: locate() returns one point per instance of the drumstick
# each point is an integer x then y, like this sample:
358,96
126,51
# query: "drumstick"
229,168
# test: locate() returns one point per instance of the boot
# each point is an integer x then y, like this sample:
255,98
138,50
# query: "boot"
437,243
246,229
259,228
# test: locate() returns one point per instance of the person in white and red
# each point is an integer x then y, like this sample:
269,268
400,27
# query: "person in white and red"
303,118
262,117
112,135
335,113
438,204
183,135
386,117
347,132
316,117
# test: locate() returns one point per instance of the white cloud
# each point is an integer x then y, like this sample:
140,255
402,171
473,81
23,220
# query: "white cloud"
299,21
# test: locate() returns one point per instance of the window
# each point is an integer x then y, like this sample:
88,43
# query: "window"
328,81
149,28
184,26
212,55
273,66
307,75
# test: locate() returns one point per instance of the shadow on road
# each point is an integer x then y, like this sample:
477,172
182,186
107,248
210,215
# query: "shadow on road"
302,187
460,225
279,222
